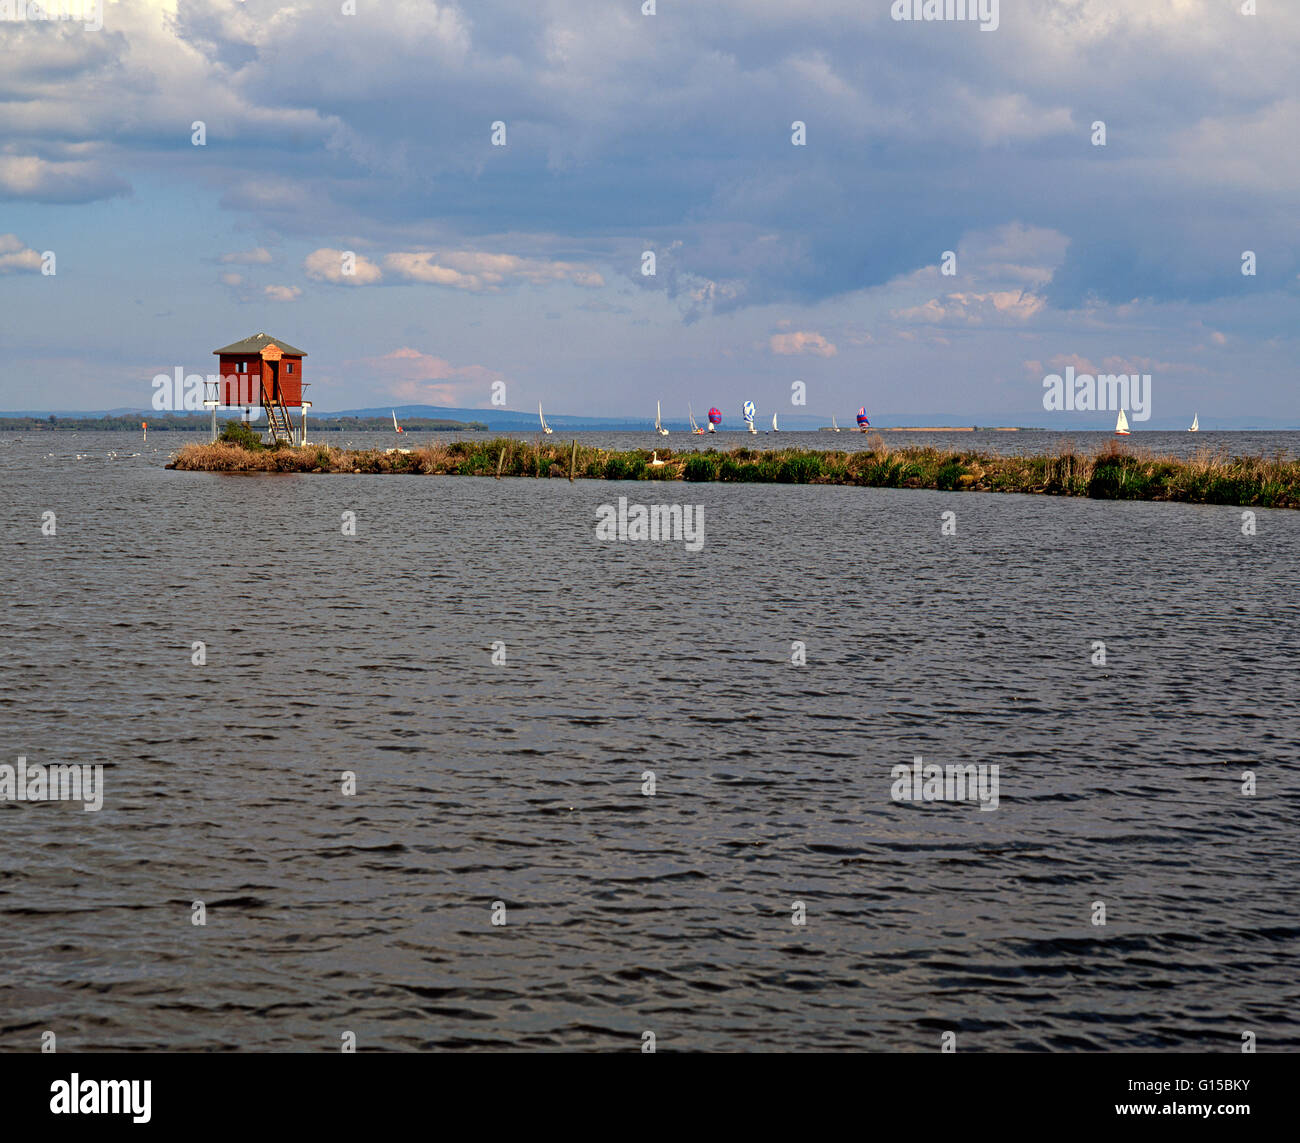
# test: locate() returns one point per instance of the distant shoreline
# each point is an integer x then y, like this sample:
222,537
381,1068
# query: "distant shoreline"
170,422
926,429
1111,473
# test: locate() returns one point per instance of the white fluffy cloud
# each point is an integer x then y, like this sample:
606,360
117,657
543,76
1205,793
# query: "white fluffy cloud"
974,309
479,271
16,257
790,344
473,270
44,180
327,265
259,256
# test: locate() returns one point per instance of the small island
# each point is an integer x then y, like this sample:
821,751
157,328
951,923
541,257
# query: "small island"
1111,473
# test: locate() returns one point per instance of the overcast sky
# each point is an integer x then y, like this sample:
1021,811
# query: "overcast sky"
672,133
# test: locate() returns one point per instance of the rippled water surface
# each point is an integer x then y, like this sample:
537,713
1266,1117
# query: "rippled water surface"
522,783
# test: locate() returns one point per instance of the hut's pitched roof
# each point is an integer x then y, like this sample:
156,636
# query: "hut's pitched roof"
258,342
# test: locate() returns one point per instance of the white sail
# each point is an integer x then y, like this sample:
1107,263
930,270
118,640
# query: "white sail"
1121,425
396,428
663,432
834,426
691,413
545,427
749,413
774,428
1196,424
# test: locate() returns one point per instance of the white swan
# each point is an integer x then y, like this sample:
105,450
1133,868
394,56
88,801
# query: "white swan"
655,462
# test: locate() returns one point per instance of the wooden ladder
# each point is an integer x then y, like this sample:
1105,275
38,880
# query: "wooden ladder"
277,415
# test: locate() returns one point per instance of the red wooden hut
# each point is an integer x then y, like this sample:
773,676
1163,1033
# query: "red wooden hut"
263,371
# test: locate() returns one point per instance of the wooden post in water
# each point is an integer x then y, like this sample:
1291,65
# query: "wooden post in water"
573,459
501,460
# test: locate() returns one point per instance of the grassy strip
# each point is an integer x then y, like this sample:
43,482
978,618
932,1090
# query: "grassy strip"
1111,474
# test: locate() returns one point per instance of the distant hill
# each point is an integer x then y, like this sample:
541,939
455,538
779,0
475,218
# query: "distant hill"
200,422
503,420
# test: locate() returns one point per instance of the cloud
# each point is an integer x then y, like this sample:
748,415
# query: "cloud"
258,256
231,279
790,344
17,258
1111,364
283,293
475,271
480,272
422,268
41,180
995,265
1015,253
1063,360
1139,364
413,377
326,265
283,202
971,309
760,220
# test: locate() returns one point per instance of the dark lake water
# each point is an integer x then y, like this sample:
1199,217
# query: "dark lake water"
1119,784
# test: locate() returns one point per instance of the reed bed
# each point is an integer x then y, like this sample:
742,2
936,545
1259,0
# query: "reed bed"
1114,473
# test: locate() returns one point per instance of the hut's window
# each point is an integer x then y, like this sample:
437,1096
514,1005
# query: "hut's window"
289,366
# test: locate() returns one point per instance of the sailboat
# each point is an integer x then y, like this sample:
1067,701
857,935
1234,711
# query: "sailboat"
863,423
396,426
748,412
694,427
835,428
1196,424
663,432
774,428
545,427
1121,425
